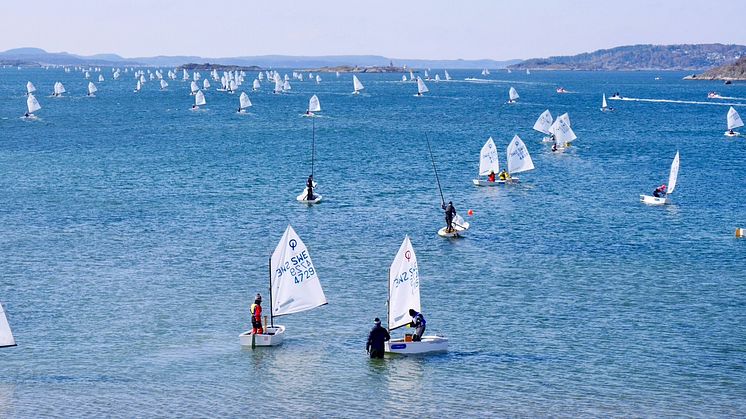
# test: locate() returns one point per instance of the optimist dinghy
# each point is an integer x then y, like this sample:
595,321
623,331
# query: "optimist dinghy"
544,125
303,197
672,178
294,287
488,163
404,294
734,121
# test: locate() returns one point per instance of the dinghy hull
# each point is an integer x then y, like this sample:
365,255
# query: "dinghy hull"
652,200
428,345
458,231
273,336
481,182
302,198
731,134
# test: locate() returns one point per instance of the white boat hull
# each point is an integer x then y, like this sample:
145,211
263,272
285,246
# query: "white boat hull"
652,200
733,134
458,231
302,198
428,345
482,182
273,336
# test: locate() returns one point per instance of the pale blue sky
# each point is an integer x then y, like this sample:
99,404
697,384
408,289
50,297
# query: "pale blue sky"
431,29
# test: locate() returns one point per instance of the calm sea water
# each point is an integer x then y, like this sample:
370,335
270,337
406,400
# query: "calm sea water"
134,234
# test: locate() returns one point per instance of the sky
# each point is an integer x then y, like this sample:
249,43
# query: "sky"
432,29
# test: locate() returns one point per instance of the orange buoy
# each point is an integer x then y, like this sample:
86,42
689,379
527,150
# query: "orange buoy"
740,232
470,212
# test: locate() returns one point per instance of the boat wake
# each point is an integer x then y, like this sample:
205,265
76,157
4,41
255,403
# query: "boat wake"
686,102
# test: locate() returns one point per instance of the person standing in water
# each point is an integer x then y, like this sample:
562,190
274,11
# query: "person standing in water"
376,340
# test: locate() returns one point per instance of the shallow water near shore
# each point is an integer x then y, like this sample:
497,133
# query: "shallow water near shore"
135,233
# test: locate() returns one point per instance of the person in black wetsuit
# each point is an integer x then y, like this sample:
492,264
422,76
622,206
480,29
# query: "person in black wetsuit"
450,213
419,323
376,340
309,185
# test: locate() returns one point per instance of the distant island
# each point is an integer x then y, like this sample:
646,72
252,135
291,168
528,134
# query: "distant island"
732,71
358,69
217,67
641,57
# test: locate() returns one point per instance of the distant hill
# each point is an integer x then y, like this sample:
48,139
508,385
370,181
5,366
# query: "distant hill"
732,71
642,57
41,57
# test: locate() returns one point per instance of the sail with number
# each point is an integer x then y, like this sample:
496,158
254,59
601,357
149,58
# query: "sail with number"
313,104
294,281
544,123
404,286
357,86
562,131
673,176
518,158
244,101
734,119
199,98
488,160
32,104
421,87
6,335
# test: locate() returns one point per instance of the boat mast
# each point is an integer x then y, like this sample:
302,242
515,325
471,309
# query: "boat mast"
313,145
388,303
271,321
437,179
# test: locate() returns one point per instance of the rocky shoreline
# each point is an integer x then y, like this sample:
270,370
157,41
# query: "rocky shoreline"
729,72
218,67
357,69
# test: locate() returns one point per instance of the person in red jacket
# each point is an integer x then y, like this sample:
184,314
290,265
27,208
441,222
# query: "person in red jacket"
256,316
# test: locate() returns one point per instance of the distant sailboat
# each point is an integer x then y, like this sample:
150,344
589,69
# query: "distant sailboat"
489,164
256,85
100,78
59,89
513,95
199,100
562,133
605,106
404,77
421,87
294,287
33,105
205,84
313,106
318,79
278,85
92,89
519,159
734,121
164,84
404,295
544,124
244,102
194,88
138,86
356,85
437,77
528,71
30,88
286,86
447,76
6,335
673,176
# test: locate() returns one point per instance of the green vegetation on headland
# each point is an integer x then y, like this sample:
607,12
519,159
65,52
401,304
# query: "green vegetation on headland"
217,67
732,71
358,69
641,57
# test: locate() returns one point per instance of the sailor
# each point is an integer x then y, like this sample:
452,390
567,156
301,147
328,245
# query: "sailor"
504,175
256,316
450,213
554,146
491,176
659,191
376,338
26,115
309,186
730,132
419,323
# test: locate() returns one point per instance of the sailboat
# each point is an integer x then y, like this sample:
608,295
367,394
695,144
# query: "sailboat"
562,133
421,87
294,287
356,85
194,88
528,71
6,335
437,77
164,84
303,197
205,84
199,100
411,76
605,106
673,176
286,86
447,76
92,89
256,85
313,106
30,88
544,124
734,121
318,79
488,163
33,105
244,102
278,85
458,223
404,294
100,78
403,77
59,89
138,86
519,160
513,95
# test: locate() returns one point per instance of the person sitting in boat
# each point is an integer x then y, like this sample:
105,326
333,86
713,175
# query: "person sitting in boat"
26,115
491,176
504,175
309,186
256,316
659,191
376,340
419,323
450,213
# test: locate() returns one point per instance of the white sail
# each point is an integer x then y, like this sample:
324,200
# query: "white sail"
404,286
411,75
32,103
278,85
6,335
403,77
314,105
448,76
544,123
92,88
294,281
59,88
357,86
232,85
163,84
513,94
421,88
562,131
734,119
427,75
30,88
100,78
318,79
138,86
437,77
194,87
205,84
518,158
603,102
673,176
244,100
256,85
286,86
488,160
199,98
